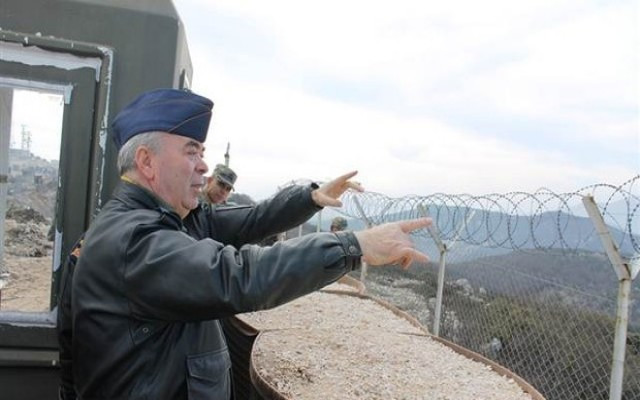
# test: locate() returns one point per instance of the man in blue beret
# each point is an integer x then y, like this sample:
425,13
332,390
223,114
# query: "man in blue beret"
158,269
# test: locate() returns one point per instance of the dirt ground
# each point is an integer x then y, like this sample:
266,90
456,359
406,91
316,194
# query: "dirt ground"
25,281
29,285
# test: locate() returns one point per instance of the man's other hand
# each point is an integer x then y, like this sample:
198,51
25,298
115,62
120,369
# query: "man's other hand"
329,193
391,243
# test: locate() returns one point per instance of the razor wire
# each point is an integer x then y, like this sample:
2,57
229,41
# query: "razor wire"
518,284
513,220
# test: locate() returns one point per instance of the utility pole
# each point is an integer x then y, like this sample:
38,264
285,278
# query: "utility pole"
26,139
226,155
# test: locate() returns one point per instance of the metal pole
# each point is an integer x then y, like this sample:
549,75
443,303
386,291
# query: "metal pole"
438,312
364,266
626,273
433,232
620,340
319,221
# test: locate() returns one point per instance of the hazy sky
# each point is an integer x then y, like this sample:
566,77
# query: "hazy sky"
40,114
421,96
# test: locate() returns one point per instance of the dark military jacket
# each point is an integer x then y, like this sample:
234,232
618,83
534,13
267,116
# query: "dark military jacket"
149,288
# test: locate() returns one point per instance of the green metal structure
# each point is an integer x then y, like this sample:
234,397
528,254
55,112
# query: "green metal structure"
97,55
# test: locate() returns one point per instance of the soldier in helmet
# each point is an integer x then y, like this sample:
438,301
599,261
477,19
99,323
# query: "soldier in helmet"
338,224
219,185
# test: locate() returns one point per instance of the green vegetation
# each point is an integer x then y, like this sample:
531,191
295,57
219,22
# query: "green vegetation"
563,350
557,349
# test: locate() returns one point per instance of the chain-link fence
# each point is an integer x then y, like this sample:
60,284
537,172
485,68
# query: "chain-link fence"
527,282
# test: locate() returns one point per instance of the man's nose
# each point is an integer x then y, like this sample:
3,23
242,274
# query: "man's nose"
202,167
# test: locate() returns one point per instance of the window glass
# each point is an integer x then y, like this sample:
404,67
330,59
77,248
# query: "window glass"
30,138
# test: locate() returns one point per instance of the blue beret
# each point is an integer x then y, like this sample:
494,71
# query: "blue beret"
180,112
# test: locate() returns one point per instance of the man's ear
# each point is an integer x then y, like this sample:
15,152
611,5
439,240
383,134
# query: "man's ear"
144,162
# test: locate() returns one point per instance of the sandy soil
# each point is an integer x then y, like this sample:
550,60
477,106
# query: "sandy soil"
28,287
25,284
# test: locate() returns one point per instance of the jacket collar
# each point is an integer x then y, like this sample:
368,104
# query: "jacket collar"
136,196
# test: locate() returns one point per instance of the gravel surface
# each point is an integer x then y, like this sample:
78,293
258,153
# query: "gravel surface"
323,364
329,345
345,284
332,311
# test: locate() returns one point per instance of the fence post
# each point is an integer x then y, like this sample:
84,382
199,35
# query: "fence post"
443,249
626,273
367,221
433,232
319,221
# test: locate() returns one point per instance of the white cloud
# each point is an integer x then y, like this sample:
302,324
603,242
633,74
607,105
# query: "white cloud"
568,62
277,135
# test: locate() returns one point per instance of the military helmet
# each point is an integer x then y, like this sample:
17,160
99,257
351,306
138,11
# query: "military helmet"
339,224
225,174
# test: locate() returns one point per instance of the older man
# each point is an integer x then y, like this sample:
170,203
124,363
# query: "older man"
158,268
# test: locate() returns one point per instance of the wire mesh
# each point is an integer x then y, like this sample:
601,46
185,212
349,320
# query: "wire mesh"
527,284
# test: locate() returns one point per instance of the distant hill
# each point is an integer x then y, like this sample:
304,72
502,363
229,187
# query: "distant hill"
581,279
615,212
496,233
241,199
33,182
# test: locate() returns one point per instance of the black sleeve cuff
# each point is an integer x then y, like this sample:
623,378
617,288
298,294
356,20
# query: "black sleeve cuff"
313,186
351,249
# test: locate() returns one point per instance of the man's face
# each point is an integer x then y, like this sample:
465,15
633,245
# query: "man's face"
217,191
179,171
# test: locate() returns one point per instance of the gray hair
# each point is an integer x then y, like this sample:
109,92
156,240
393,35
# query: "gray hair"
127,154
